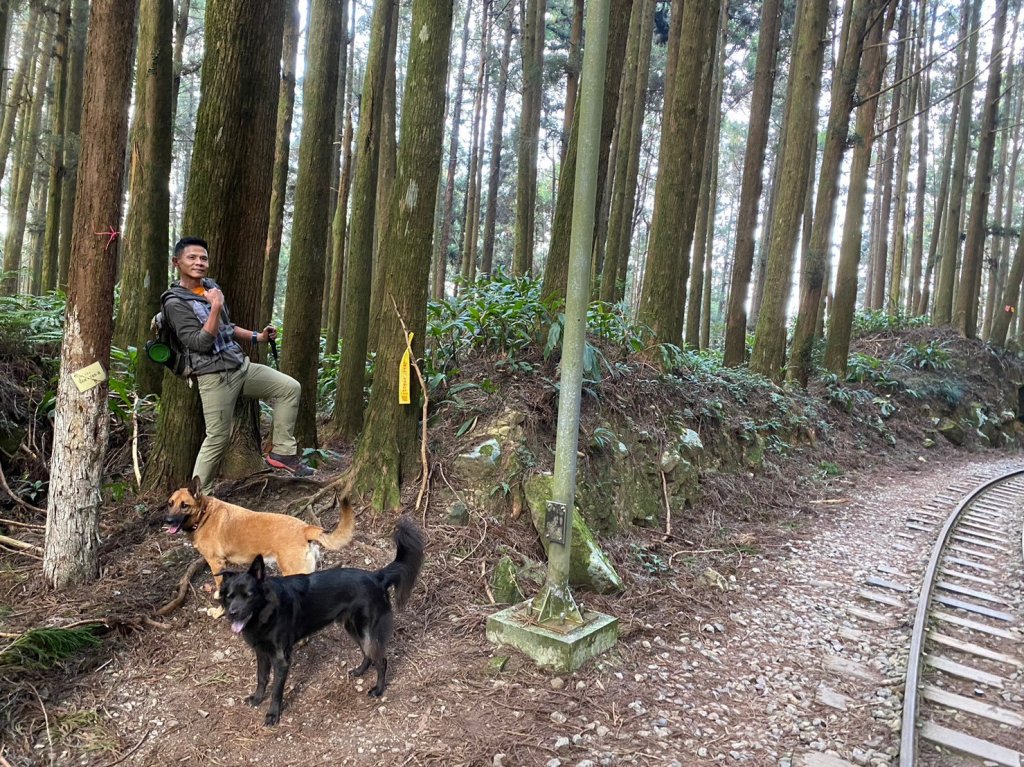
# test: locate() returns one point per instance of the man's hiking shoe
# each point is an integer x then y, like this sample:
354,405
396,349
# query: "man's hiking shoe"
290,463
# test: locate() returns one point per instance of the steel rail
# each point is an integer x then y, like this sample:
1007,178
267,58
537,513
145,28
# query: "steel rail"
908,735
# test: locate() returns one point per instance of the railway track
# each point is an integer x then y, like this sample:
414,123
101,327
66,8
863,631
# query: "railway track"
963,702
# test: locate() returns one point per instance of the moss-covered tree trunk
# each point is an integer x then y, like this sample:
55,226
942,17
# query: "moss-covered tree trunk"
348,405
494,168
837,347
949,254
228,204
966,315
306,267
750,194
72,129
856,15
799,127
55,184
282,153
532,51
388,450
680,160
339,223
71,553
146,254
556,269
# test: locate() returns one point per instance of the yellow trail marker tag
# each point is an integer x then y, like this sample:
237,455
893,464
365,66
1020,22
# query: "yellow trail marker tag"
404,396
89,377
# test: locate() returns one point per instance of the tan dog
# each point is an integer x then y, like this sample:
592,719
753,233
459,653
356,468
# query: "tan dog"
226,534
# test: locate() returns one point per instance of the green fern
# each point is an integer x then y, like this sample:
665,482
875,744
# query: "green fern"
39,649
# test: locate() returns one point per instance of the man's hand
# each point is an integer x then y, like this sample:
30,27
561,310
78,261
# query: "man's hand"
216,298
269,334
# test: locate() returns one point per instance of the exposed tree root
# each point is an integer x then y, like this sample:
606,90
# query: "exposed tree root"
197,564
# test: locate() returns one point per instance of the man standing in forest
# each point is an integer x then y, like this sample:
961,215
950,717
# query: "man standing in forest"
195,309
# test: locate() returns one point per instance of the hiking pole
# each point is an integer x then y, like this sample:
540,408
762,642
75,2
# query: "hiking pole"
273,353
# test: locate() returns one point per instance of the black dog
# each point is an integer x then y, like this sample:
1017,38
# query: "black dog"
275,613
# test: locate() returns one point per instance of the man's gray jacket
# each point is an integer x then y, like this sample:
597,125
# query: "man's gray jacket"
187,312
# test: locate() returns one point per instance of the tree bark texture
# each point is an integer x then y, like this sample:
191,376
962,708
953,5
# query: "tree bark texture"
81,422
72,129
307,265
228,204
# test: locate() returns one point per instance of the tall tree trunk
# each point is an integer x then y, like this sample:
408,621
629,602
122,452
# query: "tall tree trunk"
347,419
443,243
750,194
939,215
572,73
56,176
706,207
36,227
20,82
899,237
534,31
966,314
632,100
923,104
494,168
144,268
72,129
180,31
856,16
339,223
282,153
71,552
681,159
31,122
556,269
799,126
942,311
470,227
301,355
837,347
387,452
1009,306
228,204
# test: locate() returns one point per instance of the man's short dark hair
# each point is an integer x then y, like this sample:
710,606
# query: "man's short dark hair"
184,242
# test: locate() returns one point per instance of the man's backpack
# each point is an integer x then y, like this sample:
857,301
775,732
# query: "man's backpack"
165,348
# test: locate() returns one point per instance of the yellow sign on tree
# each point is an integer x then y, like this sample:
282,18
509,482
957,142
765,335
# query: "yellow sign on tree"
404,397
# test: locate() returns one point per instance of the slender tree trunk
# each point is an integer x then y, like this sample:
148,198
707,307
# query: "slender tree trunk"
467,249
180,31
494,169
799,126
56,175
339,224
348,408
72,129
71,552
942,313
32,120
282,153
20,82
903,104
443,243
36,226
228,204
1000,286
966,314
306,267
707,205
917,251
144,268
856,16
387,452
837,347
534,30
939,214
632,95
1011,297
750,195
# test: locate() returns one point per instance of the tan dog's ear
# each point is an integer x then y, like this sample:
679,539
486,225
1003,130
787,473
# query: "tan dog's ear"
195,487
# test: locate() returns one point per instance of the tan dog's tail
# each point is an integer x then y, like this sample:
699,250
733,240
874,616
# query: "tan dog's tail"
341,535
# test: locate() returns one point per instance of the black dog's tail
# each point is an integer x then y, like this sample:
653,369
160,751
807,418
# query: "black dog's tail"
402,573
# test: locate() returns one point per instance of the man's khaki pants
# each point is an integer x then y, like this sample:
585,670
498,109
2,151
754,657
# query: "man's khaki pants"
219,392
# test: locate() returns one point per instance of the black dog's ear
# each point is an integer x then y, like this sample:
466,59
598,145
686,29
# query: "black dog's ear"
257,569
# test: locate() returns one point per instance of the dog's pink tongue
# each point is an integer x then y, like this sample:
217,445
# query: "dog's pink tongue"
172,529
237,626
